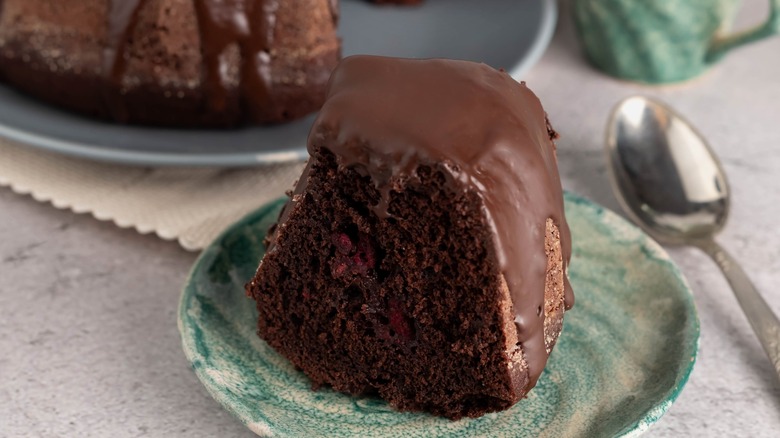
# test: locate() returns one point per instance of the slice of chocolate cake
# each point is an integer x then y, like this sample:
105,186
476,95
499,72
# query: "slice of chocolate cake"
422,256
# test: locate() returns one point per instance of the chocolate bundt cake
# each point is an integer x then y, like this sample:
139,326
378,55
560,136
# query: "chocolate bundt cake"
172,62
422,256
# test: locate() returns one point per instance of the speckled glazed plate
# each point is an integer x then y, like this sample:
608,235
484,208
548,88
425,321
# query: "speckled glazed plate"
510,34
625,353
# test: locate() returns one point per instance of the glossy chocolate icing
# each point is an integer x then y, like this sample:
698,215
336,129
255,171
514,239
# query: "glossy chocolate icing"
247,25
393,115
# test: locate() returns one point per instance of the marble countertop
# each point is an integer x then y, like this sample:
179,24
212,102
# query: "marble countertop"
88,337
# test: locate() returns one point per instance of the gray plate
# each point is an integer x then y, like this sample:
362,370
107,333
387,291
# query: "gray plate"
510,34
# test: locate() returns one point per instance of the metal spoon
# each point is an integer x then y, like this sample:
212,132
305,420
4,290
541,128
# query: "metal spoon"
668,180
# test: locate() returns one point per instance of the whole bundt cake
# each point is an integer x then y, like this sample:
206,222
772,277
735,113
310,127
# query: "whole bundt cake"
172,62
423,254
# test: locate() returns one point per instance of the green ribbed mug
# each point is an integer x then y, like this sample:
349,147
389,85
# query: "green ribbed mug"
662,41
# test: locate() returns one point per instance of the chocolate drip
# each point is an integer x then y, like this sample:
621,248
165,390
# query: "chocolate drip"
394,115
568,294
122,19
247,26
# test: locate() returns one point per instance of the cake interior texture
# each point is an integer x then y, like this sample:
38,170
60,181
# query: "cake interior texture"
385,274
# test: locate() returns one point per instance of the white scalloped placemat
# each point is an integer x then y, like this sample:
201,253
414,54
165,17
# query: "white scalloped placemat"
190,205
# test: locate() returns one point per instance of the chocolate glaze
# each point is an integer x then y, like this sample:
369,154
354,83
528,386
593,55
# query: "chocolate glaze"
393,115
247,25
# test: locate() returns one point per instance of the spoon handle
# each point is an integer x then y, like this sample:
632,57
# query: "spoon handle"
758,312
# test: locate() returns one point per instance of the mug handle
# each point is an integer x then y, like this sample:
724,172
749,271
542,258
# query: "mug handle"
722,45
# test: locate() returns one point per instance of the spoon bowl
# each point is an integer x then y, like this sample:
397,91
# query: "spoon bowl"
668,178
669,181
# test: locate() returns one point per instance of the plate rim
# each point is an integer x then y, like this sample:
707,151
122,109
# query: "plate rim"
96,152
638,427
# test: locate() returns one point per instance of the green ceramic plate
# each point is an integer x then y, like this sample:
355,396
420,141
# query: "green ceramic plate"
626,350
